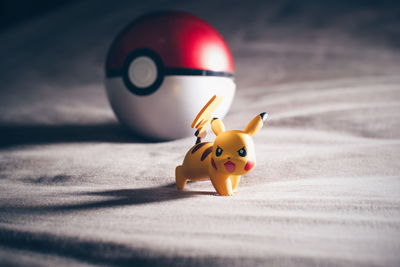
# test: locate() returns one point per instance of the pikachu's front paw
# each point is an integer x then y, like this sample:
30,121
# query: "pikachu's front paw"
226,194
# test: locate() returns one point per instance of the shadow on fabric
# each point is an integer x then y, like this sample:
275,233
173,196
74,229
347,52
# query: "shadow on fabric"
11,135
112,253
112,198
127,197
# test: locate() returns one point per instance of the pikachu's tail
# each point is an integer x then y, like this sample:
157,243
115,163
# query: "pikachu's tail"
204,117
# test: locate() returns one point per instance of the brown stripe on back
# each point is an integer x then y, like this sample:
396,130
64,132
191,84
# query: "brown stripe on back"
206,153
198,146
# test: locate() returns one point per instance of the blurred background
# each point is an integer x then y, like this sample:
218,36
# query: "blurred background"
52,51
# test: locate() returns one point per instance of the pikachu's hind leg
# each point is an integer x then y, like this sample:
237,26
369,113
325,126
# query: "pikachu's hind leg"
180,179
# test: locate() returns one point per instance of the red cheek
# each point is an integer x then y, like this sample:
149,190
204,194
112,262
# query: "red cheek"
213,163
249,166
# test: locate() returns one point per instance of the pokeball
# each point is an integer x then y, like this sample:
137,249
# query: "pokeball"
162,69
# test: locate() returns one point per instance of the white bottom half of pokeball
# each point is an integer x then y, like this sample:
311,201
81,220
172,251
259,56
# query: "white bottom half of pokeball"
168,113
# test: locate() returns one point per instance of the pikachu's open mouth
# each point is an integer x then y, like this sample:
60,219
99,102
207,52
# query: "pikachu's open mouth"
230,166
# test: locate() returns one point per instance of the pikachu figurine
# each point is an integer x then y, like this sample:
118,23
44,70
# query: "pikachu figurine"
223,161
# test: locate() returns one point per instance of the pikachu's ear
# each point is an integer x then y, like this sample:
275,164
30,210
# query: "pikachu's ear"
217,126
255,124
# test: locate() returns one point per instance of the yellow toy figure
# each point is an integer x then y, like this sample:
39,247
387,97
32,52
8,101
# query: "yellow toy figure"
224,160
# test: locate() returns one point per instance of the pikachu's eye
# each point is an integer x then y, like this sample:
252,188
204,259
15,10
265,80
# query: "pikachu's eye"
242,152
218,151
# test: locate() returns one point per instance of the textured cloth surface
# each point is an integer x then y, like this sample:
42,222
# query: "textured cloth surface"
76,188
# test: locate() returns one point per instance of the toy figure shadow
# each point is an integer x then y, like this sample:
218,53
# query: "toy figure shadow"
11,135
126,197
112,198
138,196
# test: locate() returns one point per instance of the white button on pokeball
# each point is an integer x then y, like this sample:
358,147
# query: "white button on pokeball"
142,72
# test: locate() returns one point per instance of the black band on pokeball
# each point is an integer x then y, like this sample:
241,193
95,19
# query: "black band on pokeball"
178,71
161,72
196,72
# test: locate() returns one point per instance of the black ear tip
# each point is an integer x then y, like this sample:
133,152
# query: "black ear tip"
214,119
263,116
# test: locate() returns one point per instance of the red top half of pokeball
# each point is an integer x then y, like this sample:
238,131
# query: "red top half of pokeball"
182,40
